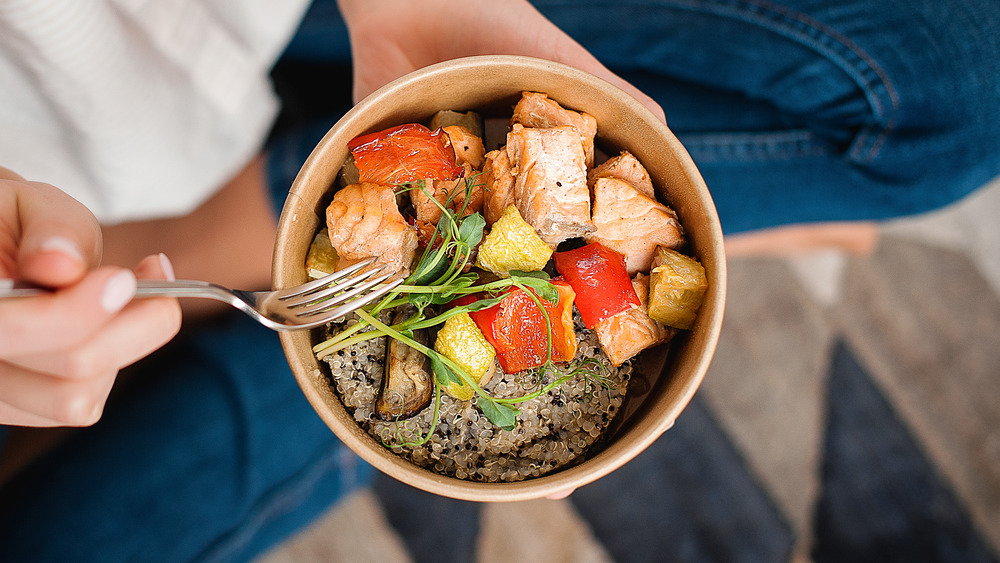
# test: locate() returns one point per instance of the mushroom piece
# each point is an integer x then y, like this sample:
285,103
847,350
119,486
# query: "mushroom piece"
407,384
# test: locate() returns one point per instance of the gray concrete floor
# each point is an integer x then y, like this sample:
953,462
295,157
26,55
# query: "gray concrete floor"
923,316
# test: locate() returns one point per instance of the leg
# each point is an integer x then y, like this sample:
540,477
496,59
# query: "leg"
212,453
812,110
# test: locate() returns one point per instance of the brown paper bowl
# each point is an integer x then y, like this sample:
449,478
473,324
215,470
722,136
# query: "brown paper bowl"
665,378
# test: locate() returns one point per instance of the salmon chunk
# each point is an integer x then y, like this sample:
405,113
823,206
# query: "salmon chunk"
499,185
632,223
469,150
364,221
624,335
538,110
550,181
427,211
624,167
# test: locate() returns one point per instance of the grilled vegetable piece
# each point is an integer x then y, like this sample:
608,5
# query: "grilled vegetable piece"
624,335
499,179
512,244
632,224
461,341
677,287
550,182
408,383
597,275
515,327
321,260
624,167
364,221
406,153
538,110
470,120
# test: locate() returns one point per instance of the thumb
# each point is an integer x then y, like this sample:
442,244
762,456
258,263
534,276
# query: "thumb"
60,239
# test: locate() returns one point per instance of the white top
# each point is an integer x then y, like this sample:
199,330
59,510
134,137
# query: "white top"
138,108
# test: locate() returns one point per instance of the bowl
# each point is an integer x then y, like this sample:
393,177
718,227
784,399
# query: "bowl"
665,378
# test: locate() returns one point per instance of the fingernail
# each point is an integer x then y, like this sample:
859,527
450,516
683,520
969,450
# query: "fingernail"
62,245
168,268
119,290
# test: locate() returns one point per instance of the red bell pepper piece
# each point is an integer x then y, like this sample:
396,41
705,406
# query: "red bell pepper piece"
600,280
516,328
405,153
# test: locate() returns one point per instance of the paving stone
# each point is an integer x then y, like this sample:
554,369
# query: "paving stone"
926,324
541,530
766,382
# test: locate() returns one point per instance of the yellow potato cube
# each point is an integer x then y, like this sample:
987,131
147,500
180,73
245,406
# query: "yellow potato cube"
321,259
512,244
677,285
461,341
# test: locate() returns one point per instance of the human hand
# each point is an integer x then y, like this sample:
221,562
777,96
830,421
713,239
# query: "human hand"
390,38
60,353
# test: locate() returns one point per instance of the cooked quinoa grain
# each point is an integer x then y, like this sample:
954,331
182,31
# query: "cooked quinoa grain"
553,430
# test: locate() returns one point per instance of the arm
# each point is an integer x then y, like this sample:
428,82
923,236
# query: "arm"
60,353
390,38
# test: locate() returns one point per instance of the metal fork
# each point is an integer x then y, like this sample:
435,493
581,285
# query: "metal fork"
304,306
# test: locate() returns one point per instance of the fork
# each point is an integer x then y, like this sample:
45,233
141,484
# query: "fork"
309,305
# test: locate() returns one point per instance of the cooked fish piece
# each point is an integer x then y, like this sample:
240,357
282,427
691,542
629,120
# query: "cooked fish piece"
550,181
632,224
624,335
364,221
624,167
469,150
429,212
538,110
499,184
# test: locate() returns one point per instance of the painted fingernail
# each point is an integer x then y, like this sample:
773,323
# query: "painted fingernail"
168,268
119,290
62,245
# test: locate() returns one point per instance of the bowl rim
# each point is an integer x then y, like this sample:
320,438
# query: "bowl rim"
609,458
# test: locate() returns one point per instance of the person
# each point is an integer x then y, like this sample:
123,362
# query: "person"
153,117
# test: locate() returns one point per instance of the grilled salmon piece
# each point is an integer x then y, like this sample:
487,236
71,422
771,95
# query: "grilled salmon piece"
550,181
364,221
624,167
469,149
537,110
632,224
499,184
624,335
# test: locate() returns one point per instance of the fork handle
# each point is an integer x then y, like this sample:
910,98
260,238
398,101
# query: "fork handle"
144,288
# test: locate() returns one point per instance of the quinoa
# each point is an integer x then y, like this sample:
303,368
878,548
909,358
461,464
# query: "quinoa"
553,430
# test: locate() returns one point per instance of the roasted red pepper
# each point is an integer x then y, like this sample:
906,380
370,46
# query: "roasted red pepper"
405,153
516,329
600,280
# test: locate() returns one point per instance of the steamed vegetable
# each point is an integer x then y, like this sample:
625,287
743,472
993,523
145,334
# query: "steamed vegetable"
602,284
516,328
512,244
677,285
406,153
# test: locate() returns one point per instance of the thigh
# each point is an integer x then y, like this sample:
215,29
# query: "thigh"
212,453
866,108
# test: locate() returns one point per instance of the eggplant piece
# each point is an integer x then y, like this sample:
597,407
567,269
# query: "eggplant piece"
408,383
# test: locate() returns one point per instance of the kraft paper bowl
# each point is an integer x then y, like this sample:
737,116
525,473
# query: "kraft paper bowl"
665,378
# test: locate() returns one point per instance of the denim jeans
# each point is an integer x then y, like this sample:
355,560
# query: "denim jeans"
804,110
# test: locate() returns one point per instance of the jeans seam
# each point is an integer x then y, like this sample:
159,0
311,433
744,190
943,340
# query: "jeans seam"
807,31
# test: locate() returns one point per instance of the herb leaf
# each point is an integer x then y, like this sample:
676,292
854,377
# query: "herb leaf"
502,415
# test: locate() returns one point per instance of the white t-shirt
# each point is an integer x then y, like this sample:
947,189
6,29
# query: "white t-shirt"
138,108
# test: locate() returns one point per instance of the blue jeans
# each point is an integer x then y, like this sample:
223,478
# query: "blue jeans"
801,111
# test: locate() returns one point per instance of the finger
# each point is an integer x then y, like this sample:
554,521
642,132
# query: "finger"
12,416
143,326
64,318
561,494
61,401
60,238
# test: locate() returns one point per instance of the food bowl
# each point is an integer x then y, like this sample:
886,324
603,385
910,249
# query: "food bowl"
664,379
